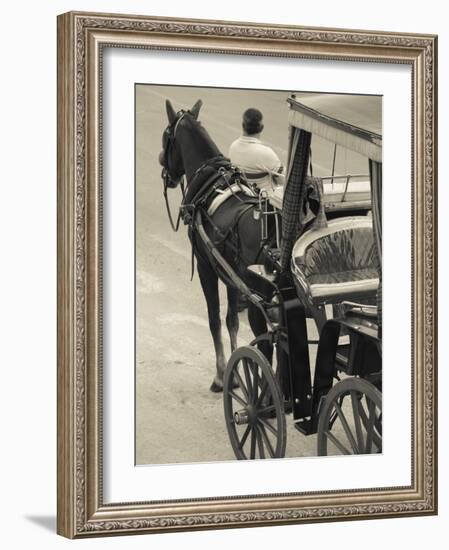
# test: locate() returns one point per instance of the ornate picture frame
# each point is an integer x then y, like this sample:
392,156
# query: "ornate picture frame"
82,38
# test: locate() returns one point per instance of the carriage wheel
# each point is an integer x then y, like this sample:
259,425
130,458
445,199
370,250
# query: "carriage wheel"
253,406
350,420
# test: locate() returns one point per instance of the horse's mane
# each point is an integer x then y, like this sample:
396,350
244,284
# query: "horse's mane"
198,148
203,136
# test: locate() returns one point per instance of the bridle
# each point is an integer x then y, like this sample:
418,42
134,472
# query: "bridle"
170,182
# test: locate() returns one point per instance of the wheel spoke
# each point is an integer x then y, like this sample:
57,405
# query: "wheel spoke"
378,430
346,427
370,425
255,381
244,437
266,410
334,414
332,419
337,443
253,444
269,426
259,442
241,384
262,393
376,434
249,385
237,398
357,421
267,440
362,413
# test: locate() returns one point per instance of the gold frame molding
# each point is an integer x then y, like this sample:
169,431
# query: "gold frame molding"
81,37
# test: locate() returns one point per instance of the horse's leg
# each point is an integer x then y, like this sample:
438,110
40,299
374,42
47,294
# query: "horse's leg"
232,318
209,284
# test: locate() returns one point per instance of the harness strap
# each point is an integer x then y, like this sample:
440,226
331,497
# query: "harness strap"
174,226
214,162
206,189
255,175
223,196
192,261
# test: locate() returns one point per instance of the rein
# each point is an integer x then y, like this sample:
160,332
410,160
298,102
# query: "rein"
168,182
174,226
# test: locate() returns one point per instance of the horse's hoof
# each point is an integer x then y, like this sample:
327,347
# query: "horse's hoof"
216,388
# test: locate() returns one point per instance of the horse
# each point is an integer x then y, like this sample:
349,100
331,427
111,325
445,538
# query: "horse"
189,151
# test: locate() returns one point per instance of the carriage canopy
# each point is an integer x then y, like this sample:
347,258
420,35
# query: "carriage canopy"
352,122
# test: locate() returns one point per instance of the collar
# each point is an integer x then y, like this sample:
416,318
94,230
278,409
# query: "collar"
250,139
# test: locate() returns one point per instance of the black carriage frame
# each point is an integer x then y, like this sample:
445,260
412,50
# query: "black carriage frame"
360,358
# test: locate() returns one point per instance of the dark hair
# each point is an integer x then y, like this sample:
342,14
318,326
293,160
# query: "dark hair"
252,121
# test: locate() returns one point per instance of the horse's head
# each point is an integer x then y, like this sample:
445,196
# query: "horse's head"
171,156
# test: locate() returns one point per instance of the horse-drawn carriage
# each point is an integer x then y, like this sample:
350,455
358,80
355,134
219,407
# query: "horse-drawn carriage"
323,269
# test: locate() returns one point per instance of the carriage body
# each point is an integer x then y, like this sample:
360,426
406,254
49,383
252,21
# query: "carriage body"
329,258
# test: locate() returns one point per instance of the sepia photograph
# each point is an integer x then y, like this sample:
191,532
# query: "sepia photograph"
258,274
238,344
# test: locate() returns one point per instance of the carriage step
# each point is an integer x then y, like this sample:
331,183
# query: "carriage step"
306,426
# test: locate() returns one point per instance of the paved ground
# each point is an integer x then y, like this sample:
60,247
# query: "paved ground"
177,418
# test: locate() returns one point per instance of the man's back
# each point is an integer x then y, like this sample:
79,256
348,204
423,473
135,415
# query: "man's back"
258,161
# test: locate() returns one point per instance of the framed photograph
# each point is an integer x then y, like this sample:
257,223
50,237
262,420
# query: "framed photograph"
246,274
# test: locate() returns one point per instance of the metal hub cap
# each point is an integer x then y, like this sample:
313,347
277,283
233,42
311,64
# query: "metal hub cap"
241,417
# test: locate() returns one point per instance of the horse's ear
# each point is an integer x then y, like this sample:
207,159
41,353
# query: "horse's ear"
195,110
171,113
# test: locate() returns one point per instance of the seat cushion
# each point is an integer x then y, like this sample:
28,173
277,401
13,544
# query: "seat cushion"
339,259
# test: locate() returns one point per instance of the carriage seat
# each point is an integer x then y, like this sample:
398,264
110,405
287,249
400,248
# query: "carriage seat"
337,262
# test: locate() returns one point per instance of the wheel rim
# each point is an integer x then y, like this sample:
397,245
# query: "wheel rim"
350,420
253,406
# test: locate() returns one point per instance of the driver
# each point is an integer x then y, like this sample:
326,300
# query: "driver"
256,160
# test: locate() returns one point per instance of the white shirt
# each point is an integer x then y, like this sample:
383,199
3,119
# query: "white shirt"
252,156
